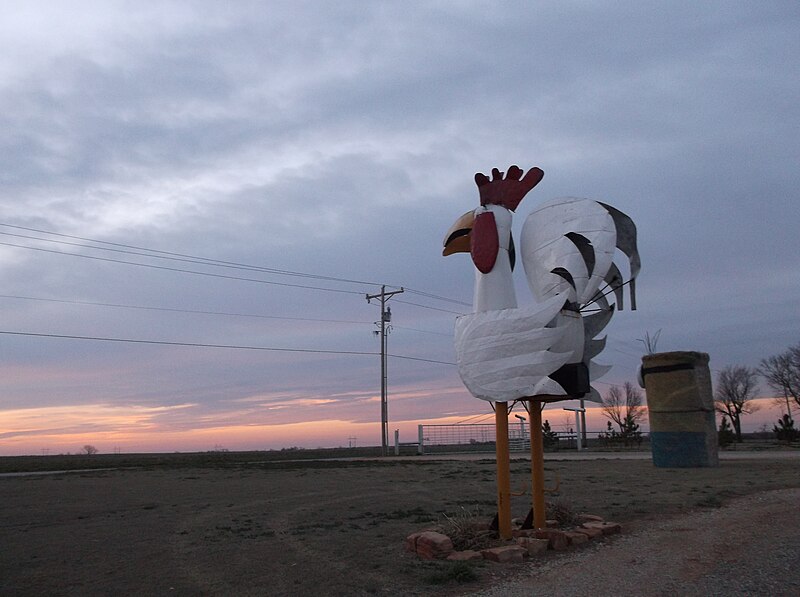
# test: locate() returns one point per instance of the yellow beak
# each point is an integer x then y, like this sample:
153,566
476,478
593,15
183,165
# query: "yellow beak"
457,238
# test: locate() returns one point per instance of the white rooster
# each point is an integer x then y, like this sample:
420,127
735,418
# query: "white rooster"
545,350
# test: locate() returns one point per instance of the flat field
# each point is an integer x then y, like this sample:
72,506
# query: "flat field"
234,525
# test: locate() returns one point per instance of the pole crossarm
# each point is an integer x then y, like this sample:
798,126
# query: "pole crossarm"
383,295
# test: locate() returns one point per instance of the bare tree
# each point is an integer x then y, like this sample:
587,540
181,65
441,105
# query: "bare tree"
613,402
634,402
782,372
88,450
736,388
623,405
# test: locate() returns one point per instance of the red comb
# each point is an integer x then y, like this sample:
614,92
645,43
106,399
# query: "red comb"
508,191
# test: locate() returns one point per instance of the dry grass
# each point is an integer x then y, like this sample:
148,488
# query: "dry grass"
468,529
562,512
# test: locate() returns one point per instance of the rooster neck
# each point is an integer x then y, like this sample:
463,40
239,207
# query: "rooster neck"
495,290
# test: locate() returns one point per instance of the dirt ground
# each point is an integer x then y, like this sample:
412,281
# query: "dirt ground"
316,527
747,547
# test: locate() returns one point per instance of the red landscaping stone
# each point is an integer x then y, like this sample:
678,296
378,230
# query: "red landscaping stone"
507,553
465,556
522,533
576,538
608,528
558,540
432,545
534,546
551,524
411,542
590,533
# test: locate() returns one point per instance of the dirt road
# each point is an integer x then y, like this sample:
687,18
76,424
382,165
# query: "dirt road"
749,547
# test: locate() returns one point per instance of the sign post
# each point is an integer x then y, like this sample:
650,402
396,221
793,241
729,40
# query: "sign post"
503,470
537,465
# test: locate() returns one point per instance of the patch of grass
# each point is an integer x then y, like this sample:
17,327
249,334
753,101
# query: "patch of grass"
457,572
468,530
561,511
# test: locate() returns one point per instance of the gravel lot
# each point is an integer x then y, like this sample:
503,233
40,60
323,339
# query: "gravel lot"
748,547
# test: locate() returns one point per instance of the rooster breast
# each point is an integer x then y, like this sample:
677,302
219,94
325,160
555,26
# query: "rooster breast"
507,354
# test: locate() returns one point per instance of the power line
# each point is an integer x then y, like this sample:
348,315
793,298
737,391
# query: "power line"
475,419
437,297
399,356
195,260
223,313
184,271
226,346
424,306
188,258
156,253
399,327
188,344
472,418
174,310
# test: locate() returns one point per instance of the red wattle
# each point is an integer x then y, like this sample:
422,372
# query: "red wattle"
484,243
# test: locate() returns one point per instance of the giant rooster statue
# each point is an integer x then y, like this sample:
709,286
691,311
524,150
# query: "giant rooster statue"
546,349
543,352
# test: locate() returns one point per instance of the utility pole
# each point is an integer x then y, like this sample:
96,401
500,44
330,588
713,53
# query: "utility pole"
386,318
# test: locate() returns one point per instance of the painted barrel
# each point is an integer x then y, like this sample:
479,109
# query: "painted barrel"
680,404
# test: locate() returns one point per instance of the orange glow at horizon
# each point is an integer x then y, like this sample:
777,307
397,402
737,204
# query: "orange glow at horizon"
66,429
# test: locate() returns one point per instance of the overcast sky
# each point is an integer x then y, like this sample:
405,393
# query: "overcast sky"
341,141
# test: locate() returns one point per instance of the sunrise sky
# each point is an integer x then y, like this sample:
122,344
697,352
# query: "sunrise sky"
195,199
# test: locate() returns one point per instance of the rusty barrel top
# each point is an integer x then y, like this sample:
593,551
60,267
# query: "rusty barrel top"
677,382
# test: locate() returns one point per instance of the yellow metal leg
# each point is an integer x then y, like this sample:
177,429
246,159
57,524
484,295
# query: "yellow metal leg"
503,471
537,465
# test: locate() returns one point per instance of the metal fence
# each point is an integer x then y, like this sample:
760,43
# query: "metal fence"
480,437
